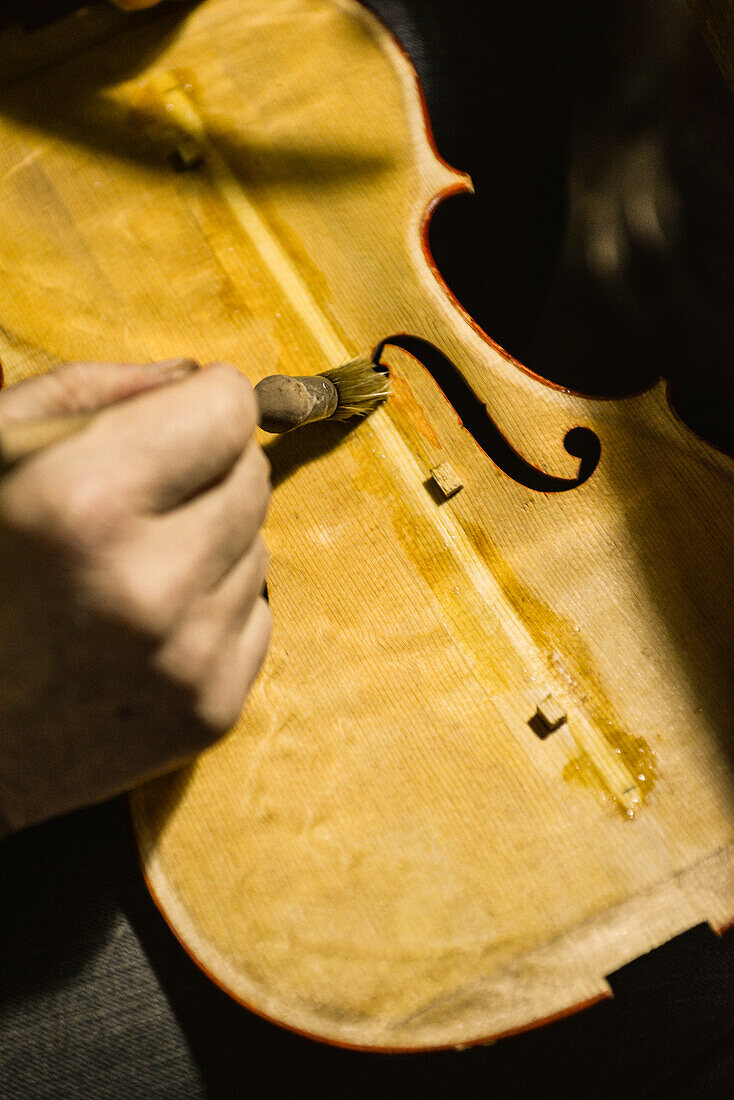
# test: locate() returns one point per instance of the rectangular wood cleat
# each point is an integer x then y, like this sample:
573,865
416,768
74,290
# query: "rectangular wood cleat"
446,479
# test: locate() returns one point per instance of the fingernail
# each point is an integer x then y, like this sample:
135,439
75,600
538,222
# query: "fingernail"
174,368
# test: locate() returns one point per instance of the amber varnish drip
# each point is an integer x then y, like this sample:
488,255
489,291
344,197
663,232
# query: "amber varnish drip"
636,754
617,767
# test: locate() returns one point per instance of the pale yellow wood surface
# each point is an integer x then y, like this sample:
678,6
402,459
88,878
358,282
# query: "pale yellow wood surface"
385,852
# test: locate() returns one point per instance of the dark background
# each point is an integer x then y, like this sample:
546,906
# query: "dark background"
572,119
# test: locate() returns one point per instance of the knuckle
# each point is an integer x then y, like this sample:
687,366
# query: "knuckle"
70,381
184,667
78,512
218,714
222,698
237,396
147,599
86,510
191,652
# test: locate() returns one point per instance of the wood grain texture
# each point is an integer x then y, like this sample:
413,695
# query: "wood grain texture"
385,852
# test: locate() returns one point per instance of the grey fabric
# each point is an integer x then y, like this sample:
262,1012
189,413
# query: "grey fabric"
82,1012
105,1030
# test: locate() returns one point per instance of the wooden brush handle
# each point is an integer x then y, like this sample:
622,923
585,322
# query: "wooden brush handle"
287,403
284,402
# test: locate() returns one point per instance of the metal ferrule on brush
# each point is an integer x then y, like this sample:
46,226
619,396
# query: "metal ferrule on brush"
287,403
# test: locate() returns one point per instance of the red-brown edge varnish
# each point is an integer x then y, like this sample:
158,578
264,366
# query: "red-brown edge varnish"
451,189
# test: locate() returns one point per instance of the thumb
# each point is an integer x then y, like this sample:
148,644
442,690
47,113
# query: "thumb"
85,387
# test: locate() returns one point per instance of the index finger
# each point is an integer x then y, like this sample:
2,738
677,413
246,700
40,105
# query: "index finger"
168,444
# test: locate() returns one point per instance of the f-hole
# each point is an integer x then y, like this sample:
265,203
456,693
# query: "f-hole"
580,442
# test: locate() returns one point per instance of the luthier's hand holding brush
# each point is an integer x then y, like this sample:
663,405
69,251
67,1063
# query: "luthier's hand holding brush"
132,565
285,403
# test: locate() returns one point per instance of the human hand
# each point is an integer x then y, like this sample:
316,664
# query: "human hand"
131,572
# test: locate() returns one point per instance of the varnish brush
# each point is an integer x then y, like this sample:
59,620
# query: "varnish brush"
353,389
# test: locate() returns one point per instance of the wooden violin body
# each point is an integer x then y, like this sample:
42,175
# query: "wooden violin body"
393,848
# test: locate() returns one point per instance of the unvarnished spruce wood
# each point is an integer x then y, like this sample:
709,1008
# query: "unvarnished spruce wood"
386,851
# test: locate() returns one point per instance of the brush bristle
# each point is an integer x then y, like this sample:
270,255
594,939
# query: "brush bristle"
361,387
